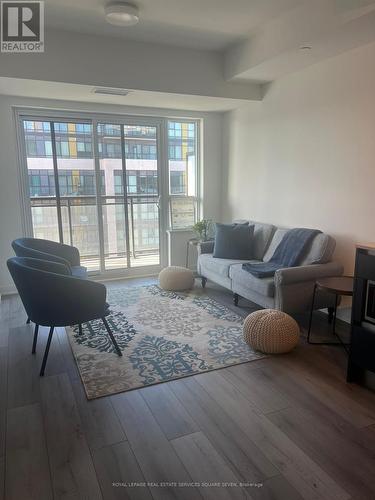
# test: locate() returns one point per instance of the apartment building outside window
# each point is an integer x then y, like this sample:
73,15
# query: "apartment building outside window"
65,180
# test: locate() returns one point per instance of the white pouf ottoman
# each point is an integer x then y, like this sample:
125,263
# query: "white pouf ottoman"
271,331
176,278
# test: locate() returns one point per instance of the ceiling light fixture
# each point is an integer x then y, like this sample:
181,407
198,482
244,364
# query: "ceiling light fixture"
121,14
305,47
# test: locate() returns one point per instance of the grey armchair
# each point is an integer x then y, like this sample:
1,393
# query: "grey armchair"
59,300
37,248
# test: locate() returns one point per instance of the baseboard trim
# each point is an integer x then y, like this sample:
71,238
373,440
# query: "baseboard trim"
11,290
103,279
7,290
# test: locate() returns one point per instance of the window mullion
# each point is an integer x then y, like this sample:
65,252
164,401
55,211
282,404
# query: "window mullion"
98,191
125,197
57,187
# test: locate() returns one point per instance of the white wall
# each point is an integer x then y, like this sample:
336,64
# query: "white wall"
10,202
305,156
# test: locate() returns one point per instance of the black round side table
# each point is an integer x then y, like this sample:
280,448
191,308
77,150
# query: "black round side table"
340,285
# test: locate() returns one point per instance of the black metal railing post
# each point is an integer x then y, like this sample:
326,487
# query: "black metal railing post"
132,228
70,222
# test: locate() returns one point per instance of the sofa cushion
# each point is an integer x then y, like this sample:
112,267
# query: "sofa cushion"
217,265
319,251
233,241
261,239
263,286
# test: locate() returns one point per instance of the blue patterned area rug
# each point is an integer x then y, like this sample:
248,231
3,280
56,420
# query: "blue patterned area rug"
162,335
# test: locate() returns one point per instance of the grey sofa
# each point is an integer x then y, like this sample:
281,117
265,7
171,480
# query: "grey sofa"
291,289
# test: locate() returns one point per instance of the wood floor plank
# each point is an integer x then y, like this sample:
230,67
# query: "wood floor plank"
346,461
287,383
275,488
155,454
119,474
3,397
16,309
246,459
170,414
329,366
27,470
4,308
4,325
314,387
71,367
206,465
3,406
23,368
355,413
72,470
2,477
3,414
16,315
327,362
258,388
99,421
298,468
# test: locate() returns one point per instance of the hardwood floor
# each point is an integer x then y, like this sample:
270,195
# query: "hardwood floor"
286,427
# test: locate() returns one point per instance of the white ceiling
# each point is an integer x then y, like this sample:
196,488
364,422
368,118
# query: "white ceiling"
326,27
202,24
242,44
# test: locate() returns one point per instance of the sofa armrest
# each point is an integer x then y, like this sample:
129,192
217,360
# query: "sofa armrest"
205,247
291,275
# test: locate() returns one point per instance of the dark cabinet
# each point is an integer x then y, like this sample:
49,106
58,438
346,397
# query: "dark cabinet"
362,345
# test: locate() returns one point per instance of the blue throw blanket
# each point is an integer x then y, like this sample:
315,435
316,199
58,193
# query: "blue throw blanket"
287,254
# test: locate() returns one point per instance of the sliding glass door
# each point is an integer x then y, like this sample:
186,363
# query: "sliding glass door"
61,173
77,188
96,185
128,161
110,187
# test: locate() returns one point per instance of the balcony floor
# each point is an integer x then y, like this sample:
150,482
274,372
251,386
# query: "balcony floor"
113,263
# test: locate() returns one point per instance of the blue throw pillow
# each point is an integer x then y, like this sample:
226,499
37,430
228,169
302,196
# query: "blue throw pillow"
233,241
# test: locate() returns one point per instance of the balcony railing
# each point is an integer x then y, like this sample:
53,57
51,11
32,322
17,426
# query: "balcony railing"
81,229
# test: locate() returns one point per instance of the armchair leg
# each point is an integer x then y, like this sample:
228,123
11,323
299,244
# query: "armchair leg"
28,321
112,337
80,328
236,299
36,330
204,281
44,362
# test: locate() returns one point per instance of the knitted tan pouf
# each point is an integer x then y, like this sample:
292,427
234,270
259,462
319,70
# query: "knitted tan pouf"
176,278
271,331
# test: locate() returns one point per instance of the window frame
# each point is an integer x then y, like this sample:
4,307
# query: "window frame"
93,118
198,209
